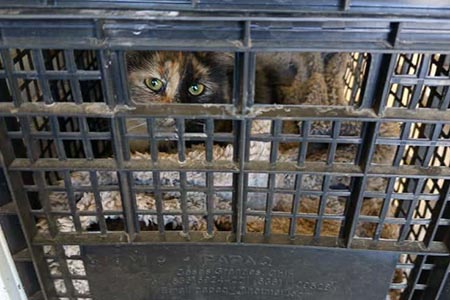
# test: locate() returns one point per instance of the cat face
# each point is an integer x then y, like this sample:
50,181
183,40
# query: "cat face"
179,77
176,77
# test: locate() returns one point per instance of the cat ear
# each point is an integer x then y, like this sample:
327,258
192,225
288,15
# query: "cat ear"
226,58
133,59
219,58
136,59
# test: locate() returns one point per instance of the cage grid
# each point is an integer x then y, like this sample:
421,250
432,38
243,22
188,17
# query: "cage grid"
65,140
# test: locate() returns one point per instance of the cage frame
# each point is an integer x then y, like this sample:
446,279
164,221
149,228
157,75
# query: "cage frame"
396,34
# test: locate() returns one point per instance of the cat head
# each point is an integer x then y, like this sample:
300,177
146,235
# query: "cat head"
179,77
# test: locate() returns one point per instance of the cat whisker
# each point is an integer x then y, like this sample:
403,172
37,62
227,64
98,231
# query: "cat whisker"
195,122
136,126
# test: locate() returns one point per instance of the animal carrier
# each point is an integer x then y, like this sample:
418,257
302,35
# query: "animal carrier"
332,184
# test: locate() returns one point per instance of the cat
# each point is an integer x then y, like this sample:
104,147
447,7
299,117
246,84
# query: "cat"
191,77
177,77
310,78
206,77
287,78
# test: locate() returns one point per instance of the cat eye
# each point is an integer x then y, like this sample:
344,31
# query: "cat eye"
196,89
154,84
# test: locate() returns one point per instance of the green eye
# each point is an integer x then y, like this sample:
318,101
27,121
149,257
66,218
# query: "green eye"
196,89
154,84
